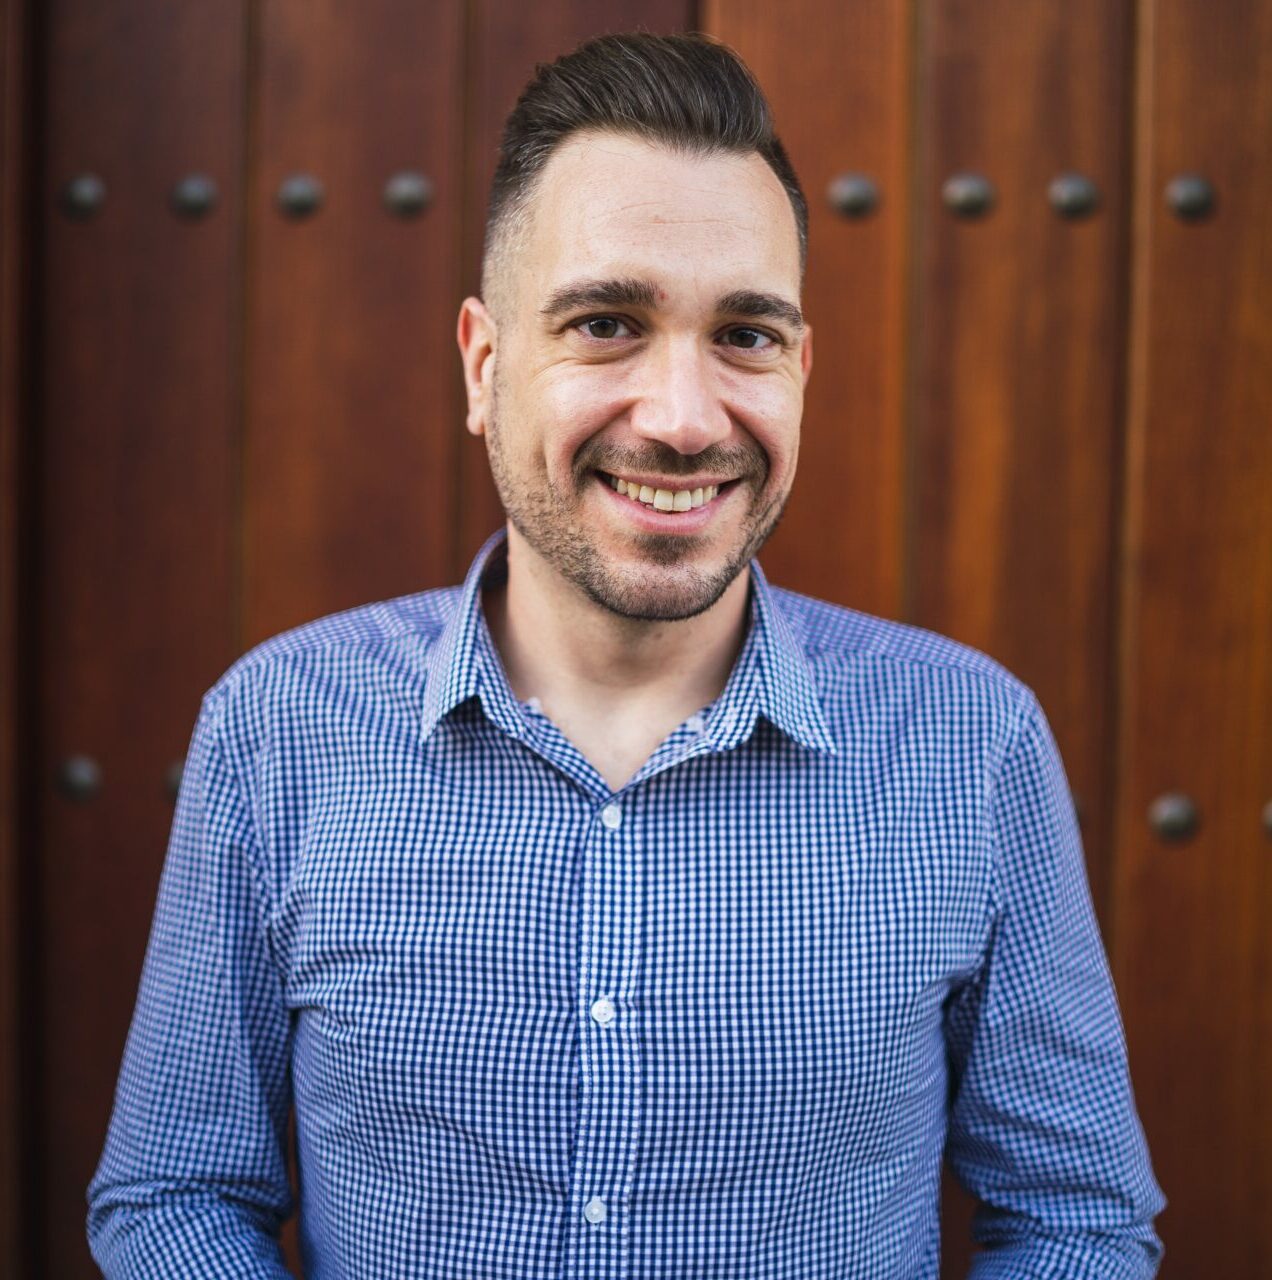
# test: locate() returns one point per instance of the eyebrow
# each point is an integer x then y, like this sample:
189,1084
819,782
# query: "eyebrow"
629,292
601,293
762,306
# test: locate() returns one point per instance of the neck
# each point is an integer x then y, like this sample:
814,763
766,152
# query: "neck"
560,646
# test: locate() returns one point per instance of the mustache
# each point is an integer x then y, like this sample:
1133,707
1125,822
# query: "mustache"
716,458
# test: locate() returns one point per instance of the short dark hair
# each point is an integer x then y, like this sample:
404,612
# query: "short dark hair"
688,92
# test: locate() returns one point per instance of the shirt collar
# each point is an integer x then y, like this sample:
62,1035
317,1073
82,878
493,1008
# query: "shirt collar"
458,657
789,697
771,676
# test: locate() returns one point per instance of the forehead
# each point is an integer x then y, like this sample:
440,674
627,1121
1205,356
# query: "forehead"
618,205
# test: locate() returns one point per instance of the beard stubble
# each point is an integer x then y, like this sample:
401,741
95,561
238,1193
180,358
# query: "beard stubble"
552,527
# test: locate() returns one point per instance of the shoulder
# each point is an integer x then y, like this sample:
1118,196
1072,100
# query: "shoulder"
374,652
865,659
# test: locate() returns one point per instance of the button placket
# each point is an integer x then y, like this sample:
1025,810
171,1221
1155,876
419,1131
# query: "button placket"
610,1068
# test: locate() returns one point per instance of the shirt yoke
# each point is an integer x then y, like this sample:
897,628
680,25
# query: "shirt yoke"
407,624
397,634
827,632
833,632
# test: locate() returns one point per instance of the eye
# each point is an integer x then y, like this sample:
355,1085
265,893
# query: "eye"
745,339
603,328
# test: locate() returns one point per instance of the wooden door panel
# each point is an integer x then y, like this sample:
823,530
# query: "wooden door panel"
16,382
351,409
1193,955
1019,351
140,324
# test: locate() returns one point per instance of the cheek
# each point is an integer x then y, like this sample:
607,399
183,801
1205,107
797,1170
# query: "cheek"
770,408
575,392
572,405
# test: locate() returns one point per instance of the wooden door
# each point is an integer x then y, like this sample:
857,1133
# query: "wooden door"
16,382
1193,900
139,415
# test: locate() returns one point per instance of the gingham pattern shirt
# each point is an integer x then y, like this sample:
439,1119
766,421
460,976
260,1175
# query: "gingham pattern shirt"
721,1023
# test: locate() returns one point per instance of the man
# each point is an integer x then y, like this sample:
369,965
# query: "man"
620,914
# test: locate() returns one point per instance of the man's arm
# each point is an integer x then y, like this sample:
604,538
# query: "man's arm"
193,1179
1043,1128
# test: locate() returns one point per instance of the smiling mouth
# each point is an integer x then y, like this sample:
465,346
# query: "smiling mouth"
667,500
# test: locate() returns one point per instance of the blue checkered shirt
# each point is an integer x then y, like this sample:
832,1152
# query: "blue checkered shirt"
722,1023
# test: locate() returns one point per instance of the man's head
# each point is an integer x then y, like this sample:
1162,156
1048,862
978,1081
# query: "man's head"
644,254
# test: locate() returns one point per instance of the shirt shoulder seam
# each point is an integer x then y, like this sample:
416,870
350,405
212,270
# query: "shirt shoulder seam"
274,652
258,854
977,664
1024,714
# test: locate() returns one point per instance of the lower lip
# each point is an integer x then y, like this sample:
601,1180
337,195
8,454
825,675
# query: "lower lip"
655,521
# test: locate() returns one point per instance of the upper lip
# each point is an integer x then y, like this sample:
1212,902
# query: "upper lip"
674,485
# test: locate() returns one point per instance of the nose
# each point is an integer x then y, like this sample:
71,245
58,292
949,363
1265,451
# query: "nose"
680,403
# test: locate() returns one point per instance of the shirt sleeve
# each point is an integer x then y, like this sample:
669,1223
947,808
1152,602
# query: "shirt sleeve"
193,1177
1043,1128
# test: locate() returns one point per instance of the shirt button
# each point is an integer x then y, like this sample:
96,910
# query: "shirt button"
611,816
603,1011
696,723
594,1210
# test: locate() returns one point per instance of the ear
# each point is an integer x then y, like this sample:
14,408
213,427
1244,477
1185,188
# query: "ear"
477,336
806,354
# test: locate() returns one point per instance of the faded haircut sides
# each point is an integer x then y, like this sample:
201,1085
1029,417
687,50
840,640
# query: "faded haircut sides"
686,92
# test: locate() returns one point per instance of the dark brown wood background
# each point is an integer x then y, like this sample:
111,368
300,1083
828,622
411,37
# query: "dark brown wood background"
1048,437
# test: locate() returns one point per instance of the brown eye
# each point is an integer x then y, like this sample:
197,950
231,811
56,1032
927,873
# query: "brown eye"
602,327
750,339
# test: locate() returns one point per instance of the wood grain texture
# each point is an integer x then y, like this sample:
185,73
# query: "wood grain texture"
842,105
1193,956
1019,350
136,458
505,43
16,130
352,417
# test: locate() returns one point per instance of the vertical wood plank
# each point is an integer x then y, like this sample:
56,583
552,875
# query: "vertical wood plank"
138,389
505,43
15,439
352,415
1020,320
842,105
1193,950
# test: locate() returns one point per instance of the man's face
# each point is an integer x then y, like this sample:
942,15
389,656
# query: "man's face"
648,331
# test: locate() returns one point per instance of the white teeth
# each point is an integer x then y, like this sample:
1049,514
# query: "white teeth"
665,499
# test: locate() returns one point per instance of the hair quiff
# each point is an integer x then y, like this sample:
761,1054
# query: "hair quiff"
687,92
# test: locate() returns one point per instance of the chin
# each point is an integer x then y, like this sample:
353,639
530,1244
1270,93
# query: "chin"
652,594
